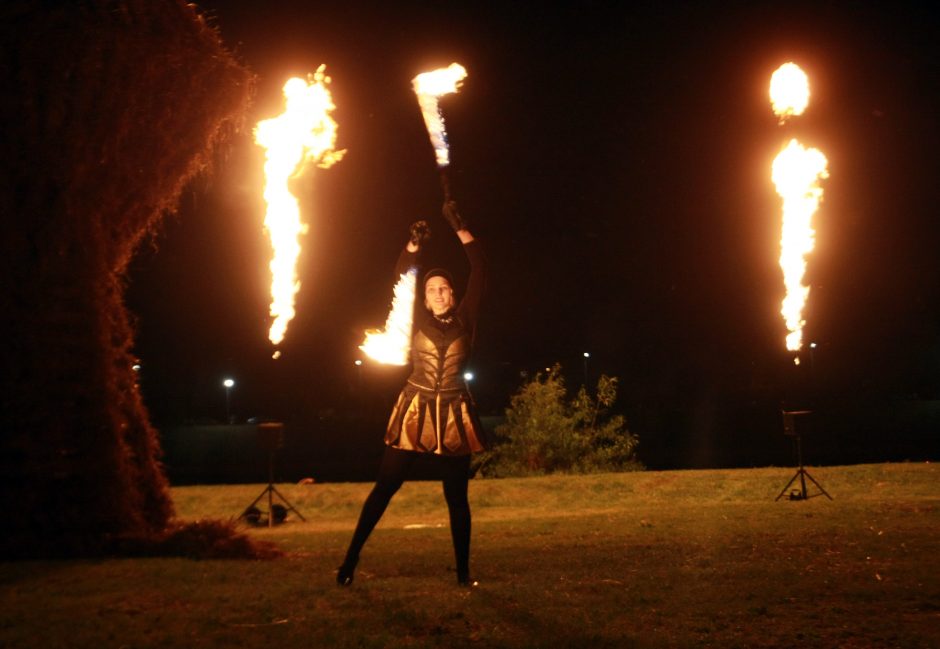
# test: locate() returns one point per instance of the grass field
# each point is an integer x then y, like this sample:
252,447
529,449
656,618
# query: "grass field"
649,559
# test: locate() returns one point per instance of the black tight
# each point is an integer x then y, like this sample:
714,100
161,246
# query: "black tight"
455,473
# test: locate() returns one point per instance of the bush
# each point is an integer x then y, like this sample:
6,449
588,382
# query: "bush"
201,539
545,431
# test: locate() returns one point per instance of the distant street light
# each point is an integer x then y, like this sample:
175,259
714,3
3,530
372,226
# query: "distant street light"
587,355
468,376
229,384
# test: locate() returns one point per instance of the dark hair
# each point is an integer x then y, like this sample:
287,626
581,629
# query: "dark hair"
438,272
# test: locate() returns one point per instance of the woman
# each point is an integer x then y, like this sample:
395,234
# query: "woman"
434,416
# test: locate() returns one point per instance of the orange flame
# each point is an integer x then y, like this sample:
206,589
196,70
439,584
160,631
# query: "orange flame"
303,134
393,344
429,86
789,91
796,173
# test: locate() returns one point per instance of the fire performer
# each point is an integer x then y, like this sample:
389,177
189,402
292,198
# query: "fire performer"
434,416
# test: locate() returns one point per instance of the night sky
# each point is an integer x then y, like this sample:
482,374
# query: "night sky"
614,161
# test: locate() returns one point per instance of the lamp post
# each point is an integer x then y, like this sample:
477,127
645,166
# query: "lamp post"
228,384
587,355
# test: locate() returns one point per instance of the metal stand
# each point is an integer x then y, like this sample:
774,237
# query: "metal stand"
789,428
270,436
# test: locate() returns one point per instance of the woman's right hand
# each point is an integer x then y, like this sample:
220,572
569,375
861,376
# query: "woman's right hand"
419,232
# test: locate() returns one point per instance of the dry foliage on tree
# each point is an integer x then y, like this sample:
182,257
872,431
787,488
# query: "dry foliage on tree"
109,108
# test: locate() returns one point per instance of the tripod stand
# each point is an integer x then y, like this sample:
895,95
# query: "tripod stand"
789,428
270,435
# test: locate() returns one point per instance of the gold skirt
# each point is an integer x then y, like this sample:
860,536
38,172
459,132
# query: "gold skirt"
443,423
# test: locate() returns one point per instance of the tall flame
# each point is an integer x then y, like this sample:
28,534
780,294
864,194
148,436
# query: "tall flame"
393,344
429,86
797,172
789,91
303,134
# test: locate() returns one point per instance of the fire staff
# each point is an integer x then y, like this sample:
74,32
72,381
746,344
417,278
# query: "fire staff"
434,419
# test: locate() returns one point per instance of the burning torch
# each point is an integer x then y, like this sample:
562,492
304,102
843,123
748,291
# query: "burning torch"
429,87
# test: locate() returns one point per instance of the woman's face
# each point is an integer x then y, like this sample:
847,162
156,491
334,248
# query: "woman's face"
438,295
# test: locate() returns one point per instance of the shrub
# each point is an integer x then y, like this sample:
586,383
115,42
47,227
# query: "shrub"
545,431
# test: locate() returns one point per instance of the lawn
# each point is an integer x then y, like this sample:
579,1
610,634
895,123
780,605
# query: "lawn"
647,559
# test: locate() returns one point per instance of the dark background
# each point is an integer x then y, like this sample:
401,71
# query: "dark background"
615,161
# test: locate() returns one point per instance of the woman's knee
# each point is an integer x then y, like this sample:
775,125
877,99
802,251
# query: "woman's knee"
455,493
387,487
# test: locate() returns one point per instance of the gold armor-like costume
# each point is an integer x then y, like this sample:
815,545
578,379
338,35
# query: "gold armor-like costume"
435,412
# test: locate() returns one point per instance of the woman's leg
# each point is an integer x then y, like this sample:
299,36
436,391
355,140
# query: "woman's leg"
456,478
392,472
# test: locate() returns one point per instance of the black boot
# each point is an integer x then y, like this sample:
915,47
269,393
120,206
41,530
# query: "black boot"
465,581
344,575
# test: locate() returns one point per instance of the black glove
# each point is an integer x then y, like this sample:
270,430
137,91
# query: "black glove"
420,232
453,216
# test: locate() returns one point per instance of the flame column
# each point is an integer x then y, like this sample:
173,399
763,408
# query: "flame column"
303,134
796,173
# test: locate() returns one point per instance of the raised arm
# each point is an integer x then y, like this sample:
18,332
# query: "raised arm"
419,233
476,282
469,308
